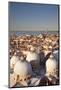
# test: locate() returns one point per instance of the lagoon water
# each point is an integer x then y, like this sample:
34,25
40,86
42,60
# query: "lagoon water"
33,32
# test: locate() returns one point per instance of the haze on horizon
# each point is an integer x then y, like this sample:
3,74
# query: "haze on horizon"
33,17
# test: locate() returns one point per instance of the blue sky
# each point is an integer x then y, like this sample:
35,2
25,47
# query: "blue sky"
26,16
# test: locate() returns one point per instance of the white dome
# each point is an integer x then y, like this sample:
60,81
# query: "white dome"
51,66
13,61
23,68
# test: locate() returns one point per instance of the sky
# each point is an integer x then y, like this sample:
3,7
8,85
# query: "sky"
33,17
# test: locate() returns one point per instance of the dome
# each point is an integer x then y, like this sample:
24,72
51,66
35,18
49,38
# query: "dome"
13,61
23,68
